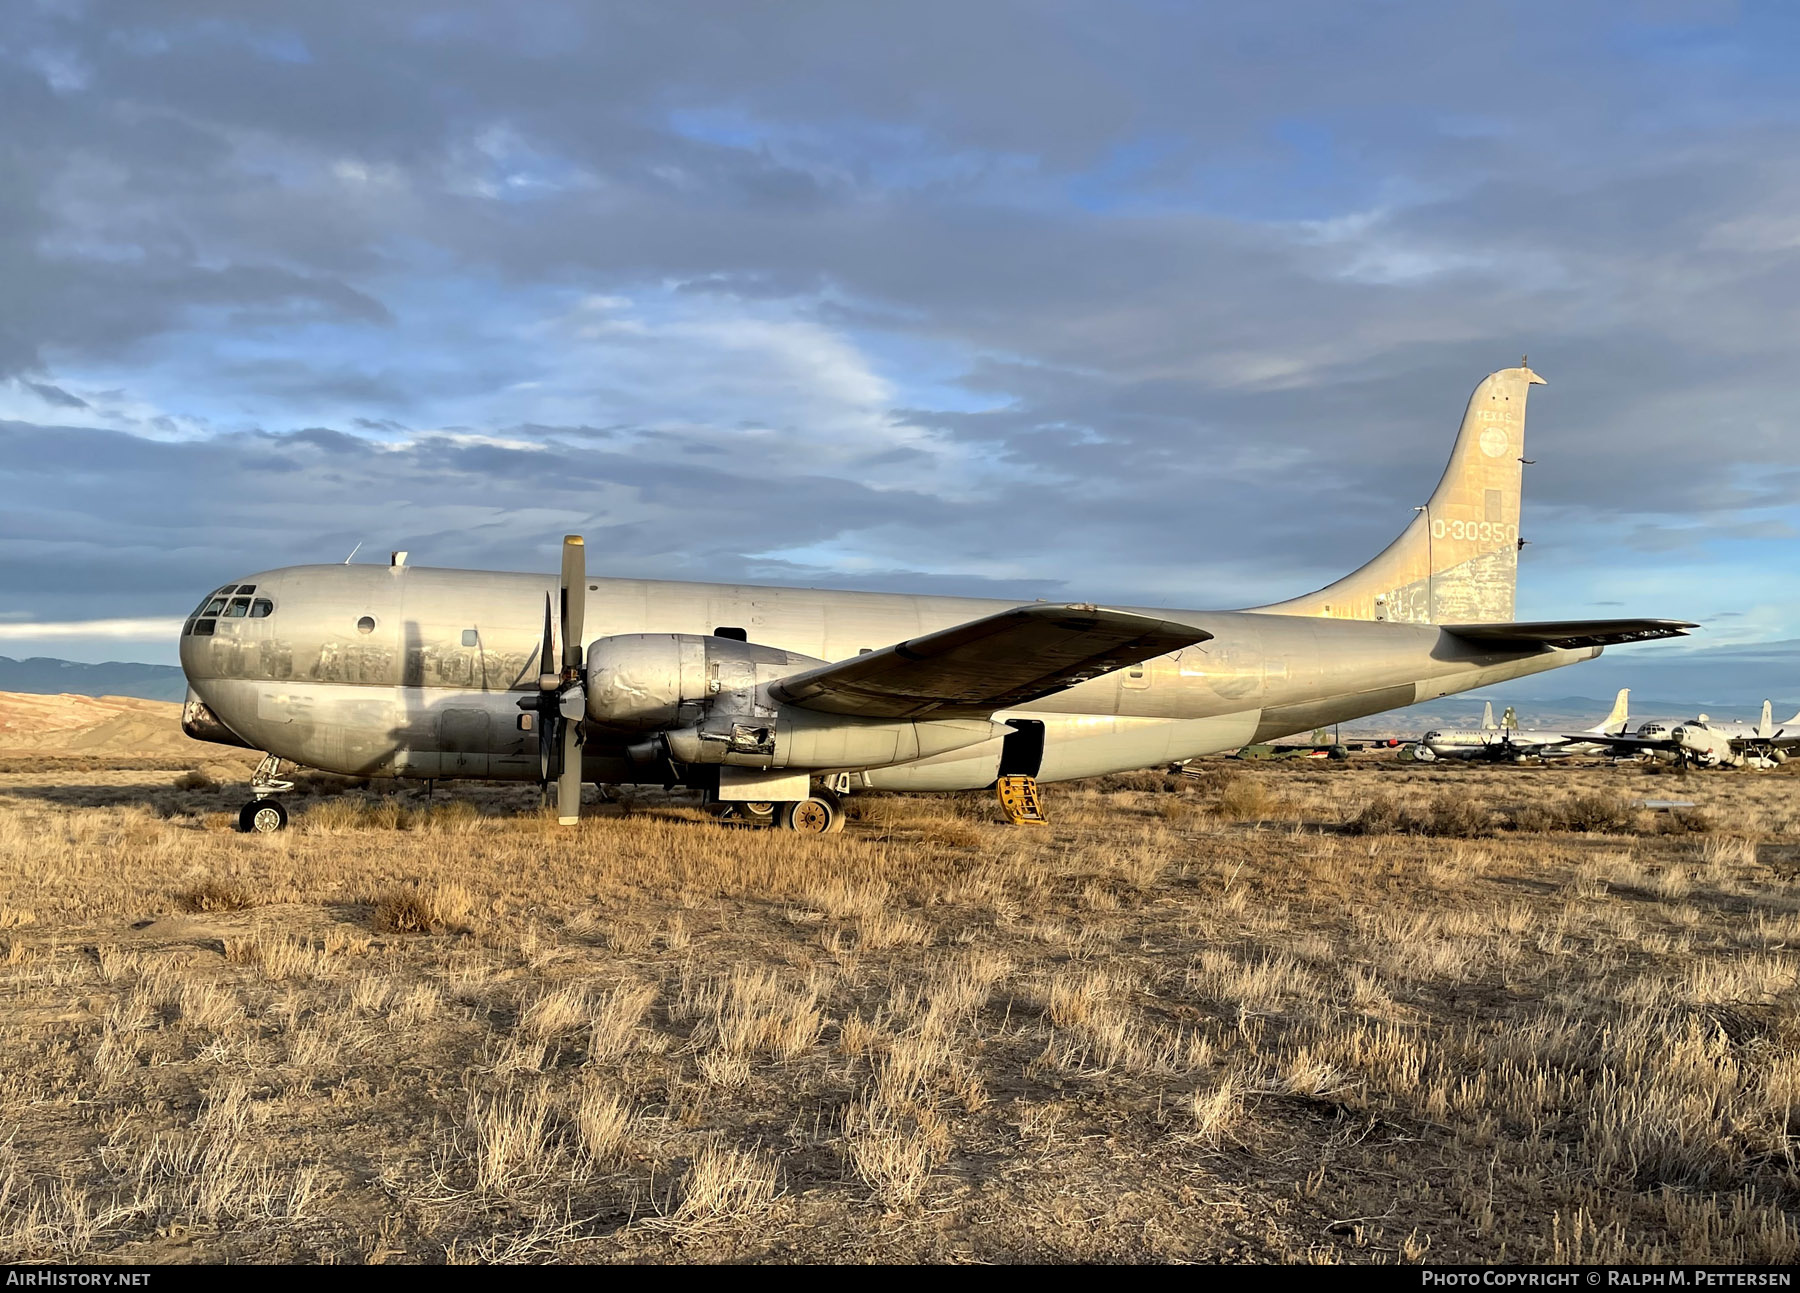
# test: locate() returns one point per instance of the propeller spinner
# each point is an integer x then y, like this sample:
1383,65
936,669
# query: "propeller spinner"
561,701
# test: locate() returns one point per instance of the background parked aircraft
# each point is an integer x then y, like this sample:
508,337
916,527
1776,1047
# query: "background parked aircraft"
1506,741
1706,742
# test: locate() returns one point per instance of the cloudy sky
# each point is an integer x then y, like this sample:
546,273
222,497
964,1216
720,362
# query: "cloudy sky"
1167,304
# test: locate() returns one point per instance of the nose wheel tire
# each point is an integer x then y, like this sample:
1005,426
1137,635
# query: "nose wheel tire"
816,816
262,817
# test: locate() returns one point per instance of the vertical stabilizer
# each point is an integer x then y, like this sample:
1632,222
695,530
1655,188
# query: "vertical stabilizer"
1487,717
1765,728
1458,561
1510,719
1619,719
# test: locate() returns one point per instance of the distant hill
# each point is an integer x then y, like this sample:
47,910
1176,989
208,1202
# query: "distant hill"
43,676
99,725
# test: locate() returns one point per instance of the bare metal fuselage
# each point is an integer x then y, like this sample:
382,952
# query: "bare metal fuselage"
415,672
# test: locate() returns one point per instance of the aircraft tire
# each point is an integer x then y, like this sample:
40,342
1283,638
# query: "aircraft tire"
262,817
737,812
819,815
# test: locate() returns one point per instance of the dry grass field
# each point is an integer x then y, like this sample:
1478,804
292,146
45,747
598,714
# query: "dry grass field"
1298,1012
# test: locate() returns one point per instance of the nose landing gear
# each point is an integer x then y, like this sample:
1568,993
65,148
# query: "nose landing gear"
264,814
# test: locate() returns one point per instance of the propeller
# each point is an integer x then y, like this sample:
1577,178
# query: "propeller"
561,700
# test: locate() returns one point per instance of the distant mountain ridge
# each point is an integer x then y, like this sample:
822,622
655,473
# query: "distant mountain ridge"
44,676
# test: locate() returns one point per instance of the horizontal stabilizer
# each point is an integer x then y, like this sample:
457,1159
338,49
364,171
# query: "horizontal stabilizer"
1568,634
987,664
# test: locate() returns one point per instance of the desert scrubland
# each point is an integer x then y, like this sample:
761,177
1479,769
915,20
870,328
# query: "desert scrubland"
1299,1012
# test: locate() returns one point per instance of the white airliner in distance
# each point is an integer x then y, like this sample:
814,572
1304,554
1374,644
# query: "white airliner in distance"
1705,742
1507,742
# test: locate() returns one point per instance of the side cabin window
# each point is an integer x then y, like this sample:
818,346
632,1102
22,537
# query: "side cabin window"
735,634
1137,677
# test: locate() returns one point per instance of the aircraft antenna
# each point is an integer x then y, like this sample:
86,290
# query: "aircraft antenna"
353,552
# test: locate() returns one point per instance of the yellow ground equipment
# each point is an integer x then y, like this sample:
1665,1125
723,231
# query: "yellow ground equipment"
1019,797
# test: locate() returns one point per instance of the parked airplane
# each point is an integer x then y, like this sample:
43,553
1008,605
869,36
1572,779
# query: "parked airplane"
777,701
1507,742
1705,742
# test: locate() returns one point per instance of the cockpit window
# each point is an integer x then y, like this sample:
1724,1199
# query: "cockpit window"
231,602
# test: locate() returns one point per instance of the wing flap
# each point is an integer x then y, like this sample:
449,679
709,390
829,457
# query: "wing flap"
987,664
1569,634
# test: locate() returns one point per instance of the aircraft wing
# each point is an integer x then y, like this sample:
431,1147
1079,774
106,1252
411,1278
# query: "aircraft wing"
1568,633
1624,744
987,664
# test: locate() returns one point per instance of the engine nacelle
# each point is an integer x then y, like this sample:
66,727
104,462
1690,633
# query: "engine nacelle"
654,682
705,700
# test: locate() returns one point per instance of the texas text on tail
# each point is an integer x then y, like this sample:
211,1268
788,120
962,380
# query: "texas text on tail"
780,700
1507,741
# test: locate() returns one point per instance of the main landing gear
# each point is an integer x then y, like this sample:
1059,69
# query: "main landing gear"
265,814
822,813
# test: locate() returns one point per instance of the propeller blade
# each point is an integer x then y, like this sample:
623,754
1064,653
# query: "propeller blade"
546,743
547,658
574,598
568,783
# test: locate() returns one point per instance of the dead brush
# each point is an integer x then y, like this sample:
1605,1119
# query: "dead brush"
750,1012
194,779
1218,1109
215,894
510,1142
444,817
1244,799
890,1152
1446,817
615,1019
555,1012
1597,813
602,1122
277,955
420,908
353,813
723,1184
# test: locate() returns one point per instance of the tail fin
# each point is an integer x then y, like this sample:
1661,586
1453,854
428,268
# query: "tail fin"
1792,722
1458,561
1620,717
1487,717
1510,719
1766,728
